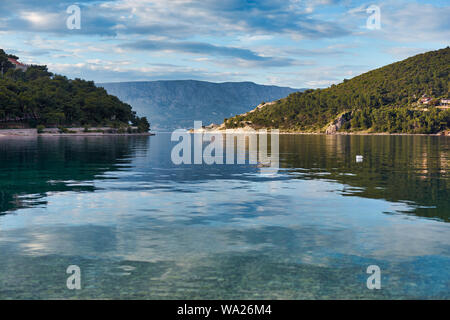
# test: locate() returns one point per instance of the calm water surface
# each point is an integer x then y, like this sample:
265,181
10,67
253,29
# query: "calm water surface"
140,227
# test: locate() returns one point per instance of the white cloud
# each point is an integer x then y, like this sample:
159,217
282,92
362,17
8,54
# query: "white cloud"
404,52
406,21
261,38
38,18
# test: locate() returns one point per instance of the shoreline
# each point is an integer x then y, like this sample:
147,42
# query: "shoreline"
33,133
254,131
92,134
30,133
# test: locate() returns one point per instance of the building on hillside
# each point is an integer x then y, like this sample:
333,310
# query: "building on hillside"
18,65
425,100
445,102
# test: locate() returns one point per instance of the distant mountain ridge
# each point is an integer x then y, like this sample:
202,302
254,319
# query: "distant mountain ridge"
171,104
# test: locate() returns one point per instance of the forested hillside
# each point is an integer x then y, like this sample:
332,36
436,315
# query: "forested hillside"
39,97
383,100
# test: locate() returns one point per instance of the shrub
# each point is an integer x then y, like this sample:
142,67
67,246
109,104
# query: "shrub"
40,128
63,130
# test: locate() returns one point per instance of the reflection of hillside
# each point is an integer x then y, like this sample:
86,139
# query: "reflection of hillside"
412,169
30,168
395,168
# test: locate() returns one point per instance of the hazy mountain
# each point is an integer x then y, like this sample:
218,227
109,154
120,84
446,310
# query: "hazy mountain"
176,104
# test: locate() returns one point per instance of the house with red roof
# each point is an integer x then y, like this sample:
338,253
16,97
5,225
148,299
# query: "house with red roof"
18,65
425,100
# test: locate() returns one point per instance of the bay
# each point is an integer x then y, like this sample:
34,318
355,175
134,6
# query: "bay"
141,227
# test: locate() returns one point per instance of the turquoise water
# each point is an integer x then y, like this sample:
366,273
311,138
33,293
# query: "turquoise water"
140,227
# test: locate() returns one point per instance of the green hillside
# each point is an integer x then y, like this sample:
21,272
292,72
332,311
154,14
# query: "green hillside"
382,100
38,97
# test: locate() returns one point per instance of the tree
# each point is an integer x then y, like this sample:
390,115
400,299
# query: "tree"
39,97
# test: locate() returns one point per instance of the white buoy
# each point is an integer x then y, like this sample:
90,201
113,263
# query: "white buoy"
359,158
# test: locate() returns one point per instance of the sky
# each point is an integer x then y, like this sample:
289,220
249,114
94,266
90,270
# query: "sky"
295,43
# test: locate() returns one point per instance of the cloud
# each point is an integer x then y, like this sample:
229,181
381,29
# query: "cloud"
209,49
327,51
50,16
404,52
292,42
181,19
174,19
416,22
114,71
318,76
407,21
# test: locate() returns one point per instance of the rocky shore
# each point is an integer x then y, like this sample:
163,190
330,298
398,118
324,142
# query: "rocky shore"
71,132
213,128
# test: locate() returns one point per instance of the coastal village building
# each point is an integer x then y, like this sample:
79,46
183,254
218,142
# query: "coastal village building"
440,104
445,104
425,100
18,65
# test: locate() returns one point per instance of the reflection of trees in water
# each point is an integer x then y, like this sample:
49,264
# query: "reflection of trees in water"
395,168
31,167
